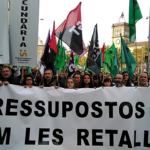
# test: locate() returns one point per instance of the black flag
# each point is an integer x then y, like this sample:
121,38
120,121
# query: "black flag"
93,61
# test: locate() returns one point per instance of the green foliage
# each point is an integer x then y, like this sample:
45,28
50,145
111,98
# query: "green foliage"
138,53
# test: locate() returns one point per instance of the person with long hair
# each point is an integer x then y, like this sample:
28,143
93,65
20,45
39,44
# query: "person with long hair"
107,82
134,80
28,81
126,79
96,81
87,81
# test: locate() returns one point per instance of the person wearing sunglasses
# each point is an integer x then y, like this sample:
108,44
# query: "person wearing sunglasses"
28,81
70,83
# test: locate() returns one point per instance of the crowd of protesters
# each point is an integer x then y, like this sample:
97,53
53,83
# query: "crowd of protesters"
83,79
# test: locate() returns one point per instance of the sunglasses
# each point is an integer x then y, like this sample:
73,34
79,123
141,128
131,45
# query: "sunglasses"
70,82
28,79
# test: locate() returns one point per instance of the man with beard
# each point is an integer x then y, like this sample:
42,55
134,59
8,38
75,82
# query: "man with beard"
7,77
77,80
119,81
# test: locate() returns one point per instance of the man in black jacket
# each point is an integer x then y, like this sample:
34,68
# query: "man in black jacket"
1,66
48,79
7,78
77,80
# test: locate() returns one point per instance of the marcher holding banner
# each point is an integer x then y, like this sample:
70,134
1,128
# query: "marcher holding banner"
143,80
119,80
48,80
87,81
29,81
70,83
7,77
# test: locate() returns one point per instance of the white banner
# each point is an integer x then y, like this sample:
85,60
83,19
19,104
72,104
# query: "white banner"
84,119
24,16
4,43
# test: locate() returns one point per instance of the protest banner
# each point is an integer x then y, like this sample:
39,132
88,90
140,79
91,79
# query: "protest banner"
4,40
91,119
24,16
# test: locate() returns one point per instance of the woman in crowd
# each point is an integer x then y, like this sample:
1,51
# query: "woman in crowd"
107,82
28,81
134,80
112,80
38,77
87,81
126,79
96,81
70,83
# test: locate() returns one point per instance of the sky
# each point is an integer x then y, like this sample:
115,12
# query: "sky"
104,13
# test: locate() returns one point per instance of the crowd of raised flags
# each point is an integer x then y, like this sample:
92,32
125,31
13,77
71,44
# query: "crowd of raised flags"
70,32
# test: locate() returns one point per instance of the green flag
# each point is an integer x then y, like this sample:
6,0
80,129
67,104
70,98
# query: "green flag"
76,58
114,69
134,16
29,69
128,58
61,70
101,58
60,56
85,69
109,55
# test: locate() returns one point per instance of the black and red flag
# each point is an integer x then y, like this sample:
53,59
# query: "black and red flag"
50,49
52,41
70,31
93,60
48,56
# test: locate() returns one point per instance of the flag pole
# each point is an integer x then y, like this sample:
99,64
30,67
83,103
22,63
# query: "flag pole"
121,52
22,72
137,61
136,55
118,61
68,63
148,63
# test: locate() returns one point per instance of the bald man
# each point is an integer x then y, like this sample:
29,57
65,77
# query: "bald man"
143,78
